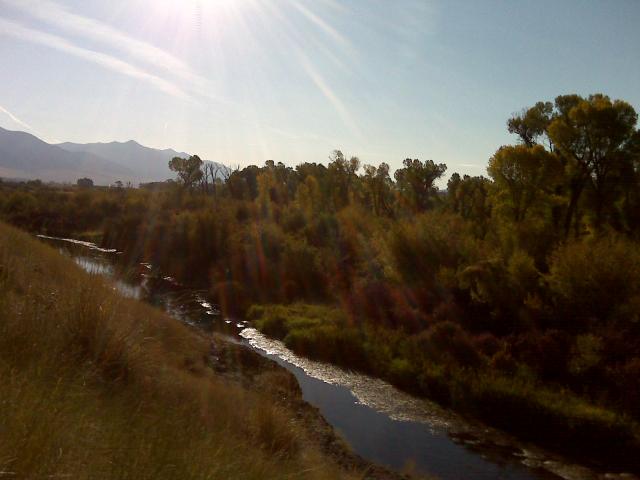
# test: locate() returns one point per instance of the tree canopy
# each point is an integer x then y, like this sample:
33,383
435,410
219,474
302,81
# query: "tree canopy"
189,170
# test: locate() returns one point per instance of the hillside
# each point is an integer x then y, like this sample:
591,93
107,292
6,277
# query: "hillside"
146,164
99,386
23,155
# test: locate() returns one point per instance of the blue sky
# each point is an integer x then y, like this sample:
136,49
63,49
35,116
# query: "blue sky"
242,81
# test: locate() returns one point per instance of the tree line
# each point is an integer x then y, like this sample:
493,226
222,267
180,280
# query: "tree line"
517,292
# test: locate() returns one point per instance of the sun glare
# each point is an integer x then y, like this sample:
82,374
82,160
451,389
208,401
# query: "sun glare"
199,4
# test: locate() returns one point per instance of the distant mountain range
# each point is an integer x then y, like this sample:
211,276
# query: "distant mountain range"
25,156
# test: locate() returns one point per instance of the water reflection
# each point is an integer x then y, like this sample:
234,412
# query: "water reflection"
394,428
380,422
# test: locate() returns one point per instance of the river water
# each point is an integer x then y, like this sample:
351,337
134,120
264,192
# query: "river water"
378,421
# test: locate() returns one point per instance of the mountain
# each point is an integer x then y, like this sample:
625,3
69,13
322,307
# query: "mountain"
23,155
147,164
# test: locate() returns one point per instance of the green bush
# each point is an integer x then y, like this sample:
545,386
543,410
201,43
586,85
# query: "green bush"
595,280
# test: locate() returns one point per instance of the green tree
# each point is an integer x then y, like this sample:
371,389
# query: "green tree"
416,182
469,197
523,176
532,123
342,177
377,185
309,197
594,137
85,182
189,170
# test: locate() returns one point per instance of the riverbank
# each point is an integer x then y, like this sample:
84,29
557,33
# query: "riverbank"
553,418
240,364
100,386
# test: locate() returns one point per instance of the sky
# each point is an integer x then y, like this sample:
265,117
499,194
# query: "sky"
243,81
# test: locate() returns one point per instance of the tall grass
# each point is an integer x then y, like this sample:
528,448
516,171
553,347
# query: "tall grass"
93,385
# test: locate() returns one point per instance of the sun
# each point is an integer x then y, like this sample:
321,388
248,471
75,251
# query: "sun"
187,13
201,4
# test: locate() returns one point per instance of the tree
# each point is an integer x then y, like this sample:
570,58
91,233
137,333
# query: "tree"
266,191
469,197
309,197
377,184
522,176
189,170
416,182
629,182
85,182
594,137
243,184
342,176
532,123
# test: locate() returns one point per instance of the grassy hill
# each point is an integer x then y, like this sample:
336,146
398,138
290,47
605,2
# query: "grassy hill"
98,386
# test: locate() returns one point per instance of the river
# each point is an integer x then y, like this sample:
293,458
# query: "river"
380,423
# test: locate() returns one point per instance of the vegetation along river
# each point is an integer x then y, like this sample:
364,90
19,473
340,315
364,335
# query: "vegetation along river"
380,423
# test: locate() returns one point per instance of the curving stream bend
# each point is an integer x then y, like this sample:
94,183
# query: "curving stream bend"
380,422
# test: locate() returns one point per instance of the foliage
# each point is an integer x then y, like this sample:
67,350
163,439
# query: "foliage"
189,170
416,182
596,281
531,273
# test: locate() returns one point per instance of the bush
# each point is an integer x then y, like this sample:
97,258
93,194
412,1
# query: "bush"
627,381
448,343
231,296
569,424
595,280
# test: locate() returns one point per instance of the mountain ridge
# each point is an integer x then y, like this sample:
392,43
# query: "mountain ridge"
25,156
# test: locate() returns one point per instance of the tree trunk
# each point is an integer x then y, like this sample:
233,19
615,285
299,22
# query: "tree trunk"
572,208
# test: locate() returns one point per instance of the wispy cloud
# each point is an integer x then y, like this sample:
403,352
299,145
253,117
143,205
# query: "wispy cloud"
15,119
329,94
320,23
16,30
88,28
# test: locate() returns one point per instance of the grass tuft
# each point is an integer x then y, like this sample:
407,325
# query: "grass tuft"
98,386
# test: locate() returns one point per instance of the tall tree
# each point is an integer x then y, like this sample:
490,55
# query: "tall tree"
377,185
189,170
531,123
416,182
469,197
342,176
522,175
594,137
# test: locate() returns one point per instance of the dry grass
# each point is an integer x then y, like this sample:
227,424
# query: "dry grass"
94,385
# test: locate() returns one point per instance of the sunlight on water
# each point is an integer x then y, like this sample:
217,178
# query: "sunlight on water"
369,391
400,406
90,245
92,266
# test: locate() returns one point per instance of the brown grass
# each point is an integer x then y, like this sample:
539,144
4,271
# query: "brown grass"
93,385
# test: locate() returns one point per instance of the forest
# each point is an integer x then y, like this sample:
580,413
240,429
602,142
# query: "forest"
512,297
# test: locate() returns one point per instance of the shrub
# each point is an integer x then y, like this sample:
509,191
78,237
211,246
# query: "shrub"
594,279
231,296
403,372
627,381
447,342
